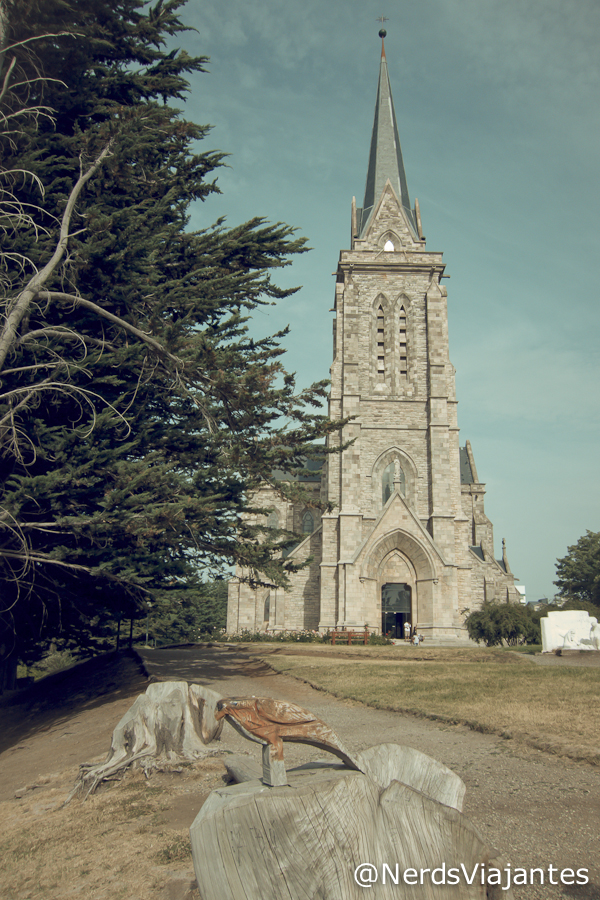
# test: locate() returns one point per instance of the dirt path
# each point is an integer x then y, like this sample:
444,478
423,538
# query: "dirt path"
537,809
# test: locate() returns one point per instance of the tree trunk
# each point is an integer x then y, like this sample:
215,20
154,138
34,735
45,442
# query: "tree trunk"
307,839
172,720
8,670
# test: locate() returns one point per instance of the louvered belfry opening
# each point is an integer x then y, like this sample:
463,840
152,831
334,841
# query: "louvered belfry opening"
402,341
380,345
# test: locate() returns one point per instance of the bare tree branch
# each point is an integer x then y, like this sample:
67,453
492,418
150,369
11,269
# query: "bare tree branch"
38,557
24,300
42,37
117,320
6,80
68,333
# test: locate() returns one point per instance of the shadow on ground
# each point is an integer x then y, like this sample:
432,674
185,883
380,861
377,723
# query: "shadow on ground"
55,698
209,662
589,891
115,676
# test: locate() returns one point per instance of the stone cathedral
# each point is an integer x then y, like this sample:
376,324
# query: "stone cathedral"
408,538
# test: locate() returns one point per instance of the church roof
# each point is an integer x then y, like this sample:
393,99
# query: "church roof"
312,471
466,474
468,471
385,158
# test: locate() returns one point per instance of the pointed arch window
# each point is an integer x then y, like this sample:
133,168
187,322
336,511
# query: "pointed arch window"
273,520
402,341
380,344
308,523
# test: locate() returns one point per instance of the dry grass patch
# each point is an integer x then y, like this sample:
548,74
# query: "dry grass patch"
546,707
397,653
126,841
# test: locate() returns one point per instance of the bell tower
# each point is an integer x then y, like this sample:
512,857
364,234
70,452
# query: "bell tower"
397,487
407,543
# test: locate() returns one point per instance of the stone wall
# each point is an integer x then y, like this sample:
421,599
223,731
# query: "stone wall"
392,373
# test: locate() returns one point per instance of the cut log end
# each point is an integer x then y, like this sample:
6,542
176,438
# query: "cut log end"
309,838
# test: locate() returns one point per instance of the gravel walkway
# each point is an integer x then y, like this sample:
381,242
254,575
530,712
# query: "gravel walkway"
538,810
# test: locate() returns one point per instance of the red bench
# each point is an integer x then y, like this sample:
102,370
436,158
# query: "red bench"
349,636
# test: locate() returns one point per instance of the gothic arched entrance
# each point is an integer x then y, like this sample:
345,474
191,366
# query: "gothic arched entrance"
395,609
398,558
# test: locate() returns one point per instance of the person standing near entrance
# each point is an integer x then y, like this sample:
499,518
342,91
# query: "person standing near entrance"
407,631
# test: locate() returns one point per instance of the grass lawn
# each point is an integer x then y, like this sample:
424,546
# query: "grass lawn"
549,707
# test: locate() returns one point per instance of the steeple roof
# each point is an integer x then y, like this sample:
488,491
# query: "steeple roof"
385,158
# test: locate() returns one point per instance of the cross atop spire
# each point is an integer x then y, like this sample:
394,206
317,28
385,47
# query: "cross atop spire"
385,157
382,32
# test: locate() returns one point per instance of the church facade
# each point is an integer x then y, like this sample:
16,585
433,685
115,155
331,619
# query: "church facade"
408,539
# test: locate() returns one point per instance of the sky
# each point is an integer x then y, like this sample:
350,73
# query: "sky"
498,108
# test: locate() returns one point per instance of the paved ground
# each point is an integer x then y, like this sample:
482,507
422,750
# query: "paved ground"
537,809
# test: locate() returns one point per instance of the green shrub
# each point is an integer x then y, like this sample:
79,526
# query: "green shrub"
496,622
278,637
379,640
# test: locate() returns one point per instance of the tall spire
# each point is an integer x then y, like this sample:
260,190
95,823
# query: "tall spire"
385,158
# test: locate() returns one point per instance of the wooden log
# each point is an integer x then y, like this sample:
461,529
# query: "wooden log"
242,768
305,840
391,762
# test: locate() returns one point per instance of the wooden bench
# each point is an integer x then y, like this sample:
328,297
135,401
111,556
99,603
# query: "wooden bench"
349,636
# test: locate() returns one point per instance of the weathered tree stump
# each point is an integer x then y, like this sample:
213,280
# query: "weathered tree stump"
172,720
304,834
392,762
305,840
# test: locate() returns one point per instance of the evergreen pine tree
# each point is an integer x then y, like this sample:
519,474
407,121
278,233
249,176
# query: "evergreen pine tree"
137,415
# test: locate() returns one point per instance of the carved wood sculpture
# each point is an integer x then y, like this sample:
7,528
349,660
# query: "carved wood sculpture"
306,840
174,719
304,836
171,720
271,722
